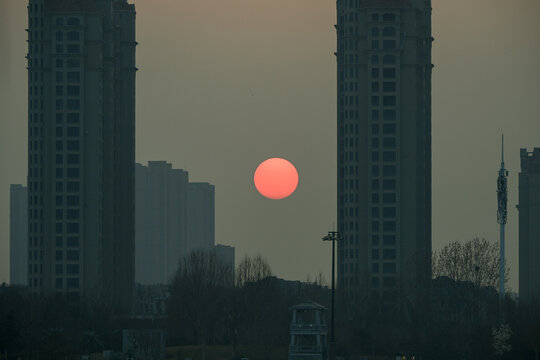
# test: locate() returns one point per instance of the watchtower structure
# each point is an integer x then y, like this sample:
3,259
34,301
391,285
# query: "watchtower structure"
309,332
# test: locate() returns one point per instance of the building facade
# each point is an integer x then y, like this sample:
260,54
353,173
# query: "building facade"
81,147
226,255
161,214
384,148
18,235
201,216
529,225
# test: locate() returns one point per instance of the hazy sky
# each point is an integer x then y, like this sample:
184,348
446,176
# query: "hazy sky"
223,85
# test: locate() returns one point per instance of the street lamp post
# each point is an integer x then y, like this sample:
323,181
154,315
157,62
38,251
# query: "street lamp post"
332,236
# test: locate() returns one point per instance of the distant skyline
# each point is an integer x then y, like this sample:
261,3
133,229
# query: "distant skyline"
224,85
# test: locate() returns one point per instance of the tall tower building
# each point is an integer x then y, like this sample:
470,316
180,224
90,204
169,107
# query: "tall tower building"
161,203
529,225
384,149
201,216
18,235
81,125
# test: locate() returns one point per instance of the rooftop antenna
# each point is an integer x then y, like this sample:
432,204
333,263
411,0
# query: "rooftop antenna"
502,199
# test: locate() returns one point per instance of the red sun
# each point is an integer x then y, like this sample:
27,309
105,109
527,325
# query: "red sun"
276,178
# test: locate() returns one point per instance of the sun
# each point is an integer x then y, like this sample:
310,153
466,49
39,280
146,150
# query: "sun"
276,178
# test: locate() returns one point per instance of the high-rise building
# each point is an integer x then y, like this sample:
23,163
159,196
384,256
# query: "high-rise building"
201,218
161,206
18,238
384,148
529,225
81,125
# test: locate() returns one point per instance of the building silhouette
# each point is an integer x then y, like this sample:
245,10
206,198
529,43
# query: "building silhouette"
161,221
384,148
529,225
81,120
18,235
226,254
201,216
173,217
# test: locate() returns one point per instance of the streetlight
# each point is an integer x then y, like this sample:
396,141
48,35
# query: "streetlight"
332,236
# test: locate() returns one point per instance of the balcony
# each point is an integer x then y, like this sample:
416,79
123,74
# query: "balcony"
308,328
309,349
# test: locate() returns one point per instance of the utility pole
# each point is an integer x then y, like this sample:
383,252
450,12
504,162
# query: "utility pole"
502,198
332,236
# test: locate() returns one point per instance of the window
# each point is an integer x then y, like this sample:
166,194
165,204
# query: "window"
389,184
374,226
389,143
387,87
73,145
374,44
59,214
388,73
389,115
375,282
74,76
387,101
375,268
72,241
72,269
375,73
59,76
73,118
72,131
59,104
374,17
59,283
73,104
375,156
59,228
59,186
374,143
59,132
75,48
375,86
59,48
389,268
59,173
387,31
389,254
59,200
73,63
73,90
59,158
389,226
389,198
374,59
59,269
375,198
73,283
389,156
374,115
59,36
73,22
73,159
59,22
375,170
375,31
73,173
73,214
59,256
72,200
59,91
388,212
389,17
375,184
72,255
375,101
389,129
374,239
389,240
374,254
387,44
72,186
375,212
72,228
75,36
59,118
